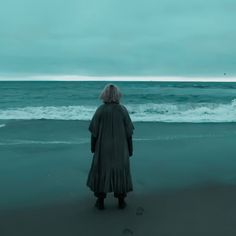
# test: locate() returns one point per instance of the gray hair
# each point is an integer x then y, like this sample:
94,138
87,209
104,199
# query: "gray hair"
110,93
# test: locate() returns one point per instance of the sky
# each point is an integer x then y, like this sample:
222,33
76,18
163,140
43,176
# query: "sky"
118,37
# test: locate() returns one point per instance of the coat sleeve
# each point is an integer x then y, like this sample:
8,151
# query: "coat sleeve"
130,145
128,123
94,124
93,143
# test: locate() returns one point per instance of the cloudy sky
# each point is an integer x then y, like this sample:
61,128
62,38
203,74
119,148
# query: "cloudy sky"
118,37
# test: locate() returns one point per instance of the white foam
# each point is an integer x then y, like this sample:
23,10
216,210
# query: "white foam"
195,113
2,125
49,112
177,137
26,142
204,112
86,140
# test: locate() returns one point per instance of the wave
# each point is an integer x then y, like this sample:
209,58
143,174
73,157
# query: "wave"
25,142
87,140
162,112
187,112
2,125
178,137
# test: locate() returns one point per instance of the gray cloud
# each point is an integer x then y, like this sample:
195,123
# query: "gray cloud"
111,37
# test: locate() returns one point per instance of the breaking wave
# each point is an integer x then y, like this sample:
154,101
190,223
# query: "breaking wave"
162,112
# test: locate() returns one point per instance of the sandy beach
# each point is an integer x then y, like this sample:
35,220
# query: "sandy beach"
183,174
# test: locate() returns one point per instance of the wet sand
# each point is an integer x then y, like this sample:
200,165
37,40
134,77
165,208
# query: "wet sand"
183,175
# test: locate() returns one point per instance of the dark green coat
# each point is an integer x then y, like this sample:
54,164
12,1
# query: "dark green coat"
111,129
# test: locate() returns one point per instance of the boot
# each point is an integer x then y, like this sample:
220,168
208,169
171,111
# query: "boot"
100,203
121,203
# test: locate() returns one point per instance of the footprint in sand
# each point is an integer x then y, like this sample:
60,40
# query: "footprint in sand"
139,211
127,231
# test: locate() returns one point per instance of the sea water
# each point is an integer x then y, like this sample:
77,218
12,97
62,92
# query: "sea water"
146,101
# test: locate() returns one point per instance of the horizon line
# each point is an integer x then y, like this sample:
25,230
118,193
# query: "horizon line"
117,78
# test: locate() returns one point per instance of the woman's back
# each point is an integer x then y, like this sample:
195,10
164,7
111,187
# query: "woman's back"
111,129
111,142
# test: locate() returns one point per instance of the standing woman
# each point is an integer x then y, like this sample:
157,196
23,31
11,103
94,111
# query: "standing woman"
111,142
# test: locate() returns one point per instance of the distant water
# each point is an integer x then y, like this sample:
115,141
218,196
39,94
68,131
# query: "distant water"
146,101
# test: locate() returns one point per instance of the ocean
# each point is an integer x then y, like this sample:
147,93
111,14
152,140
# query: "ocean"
184,136
195,102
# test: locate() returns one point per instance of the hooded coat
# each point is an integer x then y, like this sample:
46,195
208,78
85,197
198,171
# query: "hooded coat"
111,142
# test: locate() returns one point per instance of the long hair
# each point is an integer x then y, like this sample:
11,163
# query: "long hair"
110,93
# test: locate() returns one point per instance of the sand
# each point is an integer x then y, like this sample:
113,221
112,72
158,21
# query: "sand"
183,174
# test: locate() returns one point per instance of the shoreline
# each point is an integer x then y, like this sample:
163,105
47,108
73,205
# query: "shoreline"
183,175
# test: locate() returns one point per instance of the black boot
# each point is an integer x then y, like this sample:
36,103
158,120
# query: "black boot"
121,203
100,203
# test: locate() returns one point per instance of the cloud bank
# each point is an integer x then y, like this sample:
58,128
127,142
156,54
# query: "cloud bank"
121,38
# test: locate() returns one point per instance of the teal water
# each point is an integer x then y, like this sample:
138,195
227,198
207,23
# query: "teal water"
146,101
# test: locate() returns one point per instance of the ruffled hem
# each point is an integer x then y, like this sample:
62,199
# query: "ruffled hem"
114,180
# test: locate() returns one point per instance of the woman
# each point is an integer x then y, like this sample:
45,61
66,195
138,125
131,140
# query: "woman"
111,142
